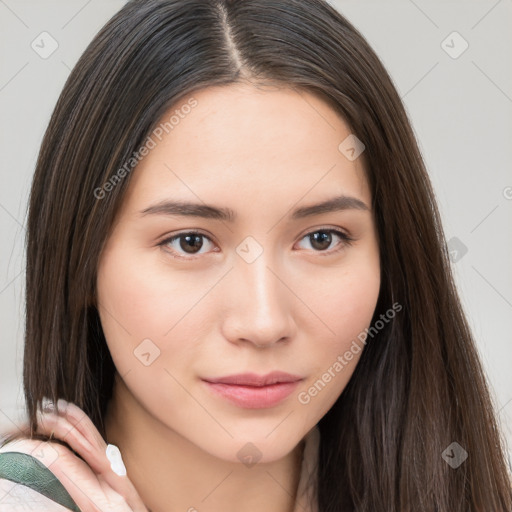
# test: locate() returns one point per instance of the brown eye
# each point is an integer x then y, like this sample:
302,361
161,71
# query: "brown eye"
189,243
321,239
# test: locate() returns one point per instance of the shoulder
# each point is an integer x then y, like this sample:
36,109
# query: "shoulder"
17,498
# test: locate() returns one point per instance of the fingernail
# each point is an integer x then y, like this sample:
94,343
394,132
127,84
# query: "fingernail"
47,405
62,404
116,461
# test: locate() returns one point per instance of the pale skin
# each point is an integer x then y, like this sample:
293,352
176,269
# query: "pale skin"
263,153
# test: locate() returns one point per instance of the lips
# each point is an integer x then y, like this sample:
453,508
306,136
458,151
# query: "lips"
252,391
252,379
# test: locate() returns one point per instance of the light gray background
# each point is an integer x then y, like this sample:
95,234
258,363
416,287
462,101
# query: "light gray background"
460,109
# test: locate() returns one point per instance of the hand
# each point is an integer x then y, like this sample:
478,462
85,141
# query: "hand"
92,484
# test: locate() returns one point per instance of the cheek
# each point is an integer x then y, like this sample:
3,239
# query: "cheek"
130,308
147,314
346,305
344,297
137,299
143,317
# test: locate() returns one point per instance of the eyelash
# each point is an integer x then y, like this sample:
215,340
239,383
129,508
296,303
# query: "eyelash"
346,241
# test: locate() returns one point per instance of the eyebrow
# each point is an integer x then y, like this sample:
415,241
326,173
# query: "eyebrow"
206,211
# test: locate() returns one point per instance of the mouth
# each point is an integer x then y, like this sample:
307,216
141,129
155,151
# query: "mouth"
253,379
252,391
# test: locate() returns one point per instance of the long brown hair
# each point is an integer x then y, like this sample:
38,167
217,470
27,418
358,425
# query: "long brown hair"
419,385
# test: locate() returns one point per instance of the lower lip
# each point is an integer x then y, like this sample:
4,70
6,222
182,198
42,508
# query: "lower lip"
252,397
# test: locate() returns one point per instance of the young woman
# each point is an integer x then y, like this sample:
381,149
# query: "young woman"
237,278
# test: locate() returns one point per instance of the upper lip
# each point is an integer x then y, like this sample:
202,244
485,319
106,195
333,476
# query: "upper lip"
253,379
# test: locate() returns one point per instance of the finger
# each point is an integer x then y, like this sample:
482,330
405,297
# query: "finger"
61,428
96,458
79,419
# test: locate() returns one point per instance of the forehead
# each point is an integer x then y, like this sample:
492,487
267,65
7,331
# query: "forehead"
240,142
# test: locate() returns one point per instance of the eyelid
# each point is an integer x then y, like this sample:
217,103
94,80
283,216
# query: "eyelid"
335,229
171,238
347,240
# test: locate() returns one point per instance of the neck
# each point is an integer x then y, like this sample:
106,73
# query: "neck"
170,473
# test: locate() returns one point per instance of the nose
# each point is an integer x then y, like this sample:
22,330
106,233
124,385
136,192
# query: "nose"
260,308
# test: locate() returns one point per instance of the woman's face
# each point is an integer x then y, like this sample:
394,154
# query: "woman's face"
270,287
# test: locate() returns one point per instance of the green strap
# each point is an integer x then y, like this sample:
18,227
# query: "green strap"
25,469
